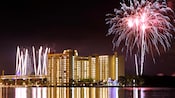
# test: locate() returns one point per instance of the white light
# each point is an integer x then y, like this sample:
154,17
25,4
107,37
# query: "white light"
117,66
44,92
73,92
130,23
39,61
44,62
136,64
143,27
17,59
85,95
135,93
34,59
38,93
137,21
143,17
23,61
20,92
33,92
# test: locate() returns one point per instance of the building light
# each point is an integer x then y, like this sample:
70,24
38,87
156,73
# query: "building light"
117,65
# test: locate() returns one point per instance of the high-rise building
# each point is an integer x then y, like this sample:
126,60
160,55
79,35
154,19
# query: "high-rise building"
93,67
109,66
81,68
68,66
60,67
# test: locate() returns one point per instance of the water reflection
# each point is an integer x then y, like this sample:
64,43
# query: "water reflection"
39,93
29,92
135,92
60,92
21,92
86,92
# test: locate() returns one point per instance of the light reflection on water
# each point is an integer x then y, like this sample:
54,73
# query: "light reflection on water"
87,92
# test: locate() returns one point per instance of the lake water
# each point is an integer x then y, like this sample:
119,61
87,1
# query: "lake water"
87,92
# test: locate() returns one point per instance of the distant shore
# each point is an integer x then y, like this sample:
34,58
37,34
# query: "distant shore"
148,81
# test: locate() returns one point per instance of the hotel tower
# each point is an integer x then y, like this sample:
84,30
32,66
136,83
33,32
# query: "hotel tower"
68,66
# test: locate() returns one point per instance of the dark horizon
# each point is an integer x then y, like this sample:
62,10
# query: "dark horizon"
76,25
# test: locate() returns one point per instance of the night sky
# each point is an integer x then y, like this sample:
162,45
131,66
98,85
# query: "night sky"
61,25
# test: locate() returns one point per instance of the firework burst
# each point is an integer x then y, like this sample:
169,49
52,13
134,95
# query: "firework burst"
143,27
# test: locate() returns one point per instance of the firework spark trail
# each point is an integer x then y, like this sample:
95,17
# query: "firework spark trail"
143,26
23,61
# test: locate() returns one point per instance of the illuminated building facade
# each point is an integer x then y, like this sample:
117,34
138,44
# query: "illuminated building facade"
107,66
68,66
60,67
93,63
81,68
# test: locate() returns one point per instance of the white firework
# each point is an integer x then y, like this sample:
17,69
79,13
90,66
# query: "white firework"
38,62
141,27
